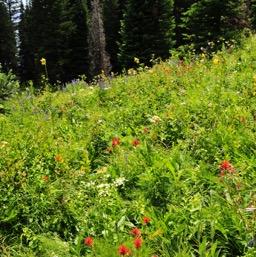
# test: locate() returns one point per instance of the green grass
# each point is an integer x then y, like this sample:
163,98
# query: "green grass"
64,179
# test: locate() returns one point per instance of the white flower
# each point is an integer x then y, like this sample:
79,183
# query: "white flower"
103,185
119,181
154,119
90,184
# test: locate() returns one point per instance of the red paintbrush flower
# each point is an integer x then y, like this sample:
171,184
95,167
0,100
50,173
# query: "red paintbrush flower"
135,142
137,243
145,130
115,141
58,158
123,250
146,220
225,165
135,232
88,241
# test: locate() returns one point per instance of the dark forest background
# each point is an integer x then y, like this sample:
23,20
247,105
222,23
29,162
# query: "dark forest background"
86,37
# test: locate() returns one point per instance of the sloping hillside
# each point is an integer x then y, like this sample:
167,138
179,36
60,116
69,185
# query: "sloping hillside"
169,150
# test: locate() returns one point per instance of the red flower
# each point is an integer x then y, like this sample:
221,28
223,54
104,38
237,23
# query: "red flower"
135,142
63,108
232,170
46,178
129,252
88,241
137,243
238,186
243,119
222,173
167,115
135,232
145,130
123,250
154,255
58,159
115,141
225,165
166,70
146,220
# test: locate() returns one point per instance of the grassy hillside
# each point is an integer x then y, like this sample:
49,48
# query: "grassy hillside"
169,150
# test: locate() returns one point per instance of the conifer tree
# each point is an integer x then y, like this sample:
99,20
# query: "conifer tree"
112,16
147,29
26,54
210,20
180,8
7,41
252,13
13,7
57,31
45,17
74,32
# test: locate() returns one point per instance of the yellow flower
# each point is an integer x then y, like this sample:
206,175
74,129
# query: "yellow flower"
137,60
254,93
215,61
254,78
43,61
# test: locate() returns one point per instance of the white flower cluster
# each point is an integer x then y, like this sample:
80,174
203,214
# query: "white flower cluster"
90,184
105,189
154,119
119,181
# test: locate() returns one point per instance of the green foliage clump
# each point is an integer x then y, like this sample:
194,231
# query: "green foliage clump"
8,87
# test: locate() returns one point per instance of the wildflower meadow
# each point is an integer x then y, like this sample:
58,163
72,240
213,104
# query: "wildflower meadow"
159,161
